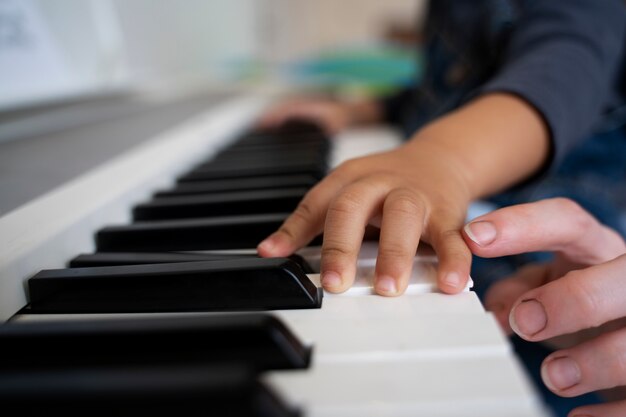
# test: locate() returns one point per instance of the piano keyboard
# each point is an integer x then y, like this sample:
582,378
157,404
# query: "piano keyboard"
172,313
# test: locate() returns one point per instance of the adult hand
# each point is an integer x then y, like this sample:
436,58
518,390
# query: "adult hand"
582,288
414,192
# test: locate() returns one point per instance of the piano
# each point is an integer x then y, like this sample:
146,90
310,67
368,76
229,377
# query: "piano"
174,313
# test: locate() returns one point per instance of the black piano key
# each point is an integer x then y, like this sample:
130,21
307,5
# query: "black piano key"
219,204
260,341
276,138
257,160
285,151
229,232
322,150
289,132
231,285
138,258
195,390
316,170
239,184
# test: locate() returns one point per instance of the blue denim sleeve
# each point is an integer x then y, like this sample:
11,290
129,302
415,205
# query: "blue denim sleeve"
563,58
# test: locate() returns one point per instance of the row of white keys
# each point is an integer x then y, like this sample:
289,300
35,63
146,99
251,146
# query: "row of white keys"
451,387
424,353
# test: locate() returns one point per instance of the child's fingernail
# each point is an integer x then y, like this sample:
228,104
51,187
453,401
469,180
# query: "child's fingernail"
481,232
331,280
267,245
386,286
452,280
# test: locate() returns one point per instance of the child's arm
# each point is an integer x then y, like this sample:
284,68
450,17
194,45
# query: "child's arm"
419,191
558,71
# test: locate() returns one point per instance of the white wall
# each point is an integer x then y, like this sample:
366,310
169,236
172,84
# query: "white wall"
77,46
51,48
187,38
298,28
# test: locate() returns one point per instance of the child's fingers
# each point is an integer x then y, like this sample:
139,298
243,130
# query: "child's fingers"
306,222
401,227
347,216
455,258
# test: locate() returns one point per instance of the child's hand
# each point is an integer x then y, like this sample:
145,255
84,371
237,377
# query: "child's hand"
583,288
419,191
411,193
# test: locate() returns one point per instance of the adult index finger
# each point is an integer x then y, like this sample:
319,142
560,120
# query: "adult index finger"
558,225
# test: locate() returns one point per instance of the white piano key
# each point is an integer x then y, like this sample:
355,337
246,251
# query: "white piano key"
404,306
481,386
398,340
356,142
335,307
423,275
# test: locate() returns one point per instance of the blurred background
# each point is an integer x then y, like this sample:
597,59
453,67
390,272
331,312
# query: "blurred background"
83,81
53,50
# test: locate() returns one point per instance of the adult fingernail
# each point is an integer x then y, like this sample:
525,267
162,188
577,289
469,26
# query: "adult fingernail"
481,232
331,280
528,318
560,373
386,285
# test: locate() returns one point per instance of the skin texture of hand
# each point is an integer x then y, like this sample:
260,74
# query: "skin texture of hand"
582,288
419,191
412,192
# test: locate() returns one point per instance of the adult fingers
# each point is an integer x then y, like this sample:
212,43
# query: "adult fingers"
594,365
581,299
347,216
401,226
455,258
613,409
307,220
502,295
558,225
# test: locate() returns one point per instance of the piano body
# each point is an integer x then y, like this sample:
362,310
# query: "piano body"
422,354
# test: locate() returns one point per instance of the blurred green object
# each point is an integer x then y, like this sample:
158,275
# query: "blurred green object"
372,70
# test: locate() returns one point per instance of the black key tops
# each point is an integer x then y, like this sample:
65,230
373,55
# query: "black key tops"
230,285
260,341
220,204
196,366
228,232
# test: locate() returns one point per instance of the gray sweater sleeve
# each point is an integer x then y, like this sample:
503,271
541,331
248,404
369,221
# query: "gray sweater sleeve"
563,58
